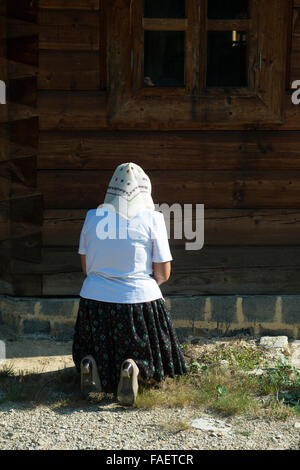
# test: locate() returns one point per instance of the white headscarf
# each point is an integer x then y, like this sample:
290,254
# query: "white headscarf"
129,191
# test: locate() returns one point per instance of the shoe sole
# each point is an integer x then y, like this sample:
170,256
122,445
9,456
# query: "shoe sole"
88,382
128,387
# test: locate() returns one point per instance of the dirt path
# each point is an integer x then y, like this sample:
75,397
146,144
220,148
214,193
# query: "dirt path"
35,353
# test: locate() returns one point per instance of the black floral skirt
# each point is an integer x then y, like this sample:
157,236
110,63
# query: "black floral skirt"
113,332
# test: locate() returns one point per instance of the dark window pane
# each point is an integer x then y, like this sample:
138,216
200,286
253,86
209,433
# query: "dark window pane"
164,58
164,8
227,9
226,59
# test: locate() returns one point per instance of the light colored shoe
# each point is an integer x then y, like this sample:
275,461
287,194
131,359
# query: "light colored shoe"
90,381
128,384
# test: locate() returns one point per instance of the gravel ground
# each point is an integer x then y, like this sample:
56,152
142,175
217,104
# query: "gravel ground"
107,425
113,427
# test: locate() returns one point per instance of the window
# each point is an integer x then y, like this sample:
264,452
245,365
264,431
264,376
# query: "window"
186,63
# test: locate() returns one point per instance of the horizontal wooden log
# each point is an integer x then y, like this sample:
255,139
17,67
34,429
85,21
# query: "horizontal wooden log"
296,30
17,28
69,71
86,110
62,284
24,50
234,281
27,210
211,150
4,220
222,227
23,91
19,70
295,66
69,30
23,9
61,260
5,185
22,174
14,112
10,150
27,247
212,270
29,285
60,110
214,189
25,132
70,5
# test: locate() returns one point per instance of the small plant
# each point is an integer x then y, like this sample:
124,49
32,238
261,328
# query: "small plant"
221,389
7,371
284,382
195,368
176,426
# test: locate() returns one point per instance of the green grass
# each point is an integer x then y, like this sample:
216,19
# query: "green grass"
225,392
229,391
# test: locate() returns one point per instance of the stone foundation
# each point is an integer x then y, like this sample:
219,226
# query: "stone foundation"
192,315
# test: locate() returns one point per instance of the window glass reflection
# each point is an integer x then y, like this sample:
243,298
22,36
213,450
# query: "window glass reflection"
227,9
226,59
164,8
164,58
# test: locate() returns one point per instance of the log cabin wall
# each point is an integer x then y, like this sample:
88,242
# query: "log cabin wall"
21,211
248,180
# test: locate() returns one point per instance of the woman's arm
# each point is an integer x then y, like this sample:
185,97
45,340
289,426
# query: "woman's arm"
161,271
83,263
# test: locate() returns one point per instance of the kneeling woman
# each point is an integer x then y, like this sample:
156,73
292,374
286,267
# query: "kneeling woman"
123,331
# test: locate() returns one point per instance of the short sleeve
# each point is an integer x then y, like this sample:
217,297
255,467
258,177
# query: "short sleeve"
82,241
160,244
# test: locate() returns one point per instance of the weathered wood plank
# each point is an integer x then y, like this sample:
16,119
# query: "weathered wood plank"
211,150
212,270
16,112
69,30
222,227
23,9
28,285
25,132
69,71
19,70
70,5
208,282
27,211
27,247
62,284
4,220
23,91
72,110
10,150
296,30
24,50
234,281
17,28
23,175
60,260
87,111
295,66
214,189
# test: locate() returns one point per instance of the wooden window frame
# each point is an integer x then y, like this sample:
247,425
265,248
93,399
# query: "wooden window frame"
131,105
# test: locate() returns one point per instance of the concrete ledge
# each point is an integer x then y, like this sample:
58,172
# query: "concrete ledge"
195,315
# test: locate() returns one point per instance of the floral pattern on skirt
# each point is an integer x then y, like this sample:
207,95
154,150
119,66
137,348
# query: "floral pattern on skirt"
113,332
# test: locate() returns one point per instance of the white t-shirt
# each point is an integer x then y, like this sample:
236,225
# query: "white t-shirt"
119,270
